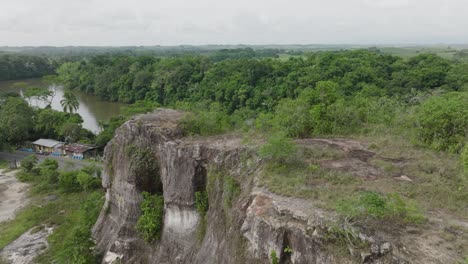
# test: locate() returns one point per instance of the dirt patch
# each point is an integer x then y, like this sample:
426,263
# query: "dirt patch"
354,166
12,195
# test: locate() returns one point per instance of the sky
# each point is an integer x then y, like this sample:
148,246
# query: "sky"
198,22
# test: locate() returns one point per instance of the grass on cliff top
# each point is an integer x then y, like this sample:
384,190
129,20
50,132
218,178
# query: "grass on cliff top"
436,180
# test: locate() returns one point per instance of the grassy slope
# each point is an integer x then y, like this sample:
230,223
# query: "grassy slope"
62,213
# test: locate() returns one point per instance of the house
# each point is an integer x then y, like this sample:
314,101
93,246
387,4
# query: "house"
48,146
79,151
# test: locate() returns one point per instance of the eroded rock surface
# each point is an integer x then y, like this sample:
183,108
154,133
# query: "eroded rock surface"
26,247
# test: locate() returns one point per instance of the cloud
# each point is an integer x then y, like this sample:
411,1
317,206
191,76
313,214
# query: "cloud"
151,22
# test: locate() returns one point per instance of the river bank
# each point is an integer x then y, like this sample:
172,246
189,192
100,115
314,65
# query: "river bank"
91,109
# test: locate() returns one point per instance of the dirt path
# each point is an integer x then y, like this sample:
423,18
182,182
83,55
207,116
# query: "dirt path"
12,195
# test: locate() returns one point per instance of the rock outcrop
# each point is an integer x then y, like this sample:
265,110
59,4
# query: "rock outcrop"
150,153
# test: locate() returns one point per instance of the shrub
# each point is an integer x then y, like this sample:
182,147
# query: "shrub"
464,158
86,181
279,148
274,257
443,121
201,202
71,242
49,163
150,223
293,118
206,122
68,181
374,205
231,190
28,163
48,169
50,174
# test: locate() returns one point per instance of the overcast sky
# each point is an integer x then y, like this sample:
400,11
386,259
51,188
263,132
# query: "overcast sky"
174,22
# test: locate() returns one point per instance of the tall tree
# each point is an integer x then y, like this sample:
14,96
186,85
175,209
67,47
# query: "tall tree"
69,102
16,120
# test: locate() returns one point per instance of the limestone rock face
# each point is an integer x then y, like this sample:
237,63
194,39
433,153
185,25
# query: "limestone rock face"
149,153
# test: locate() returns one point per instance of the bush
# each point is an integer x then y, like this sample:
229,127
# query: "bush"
293,118
150,223
206,122
464,158
28,163
68,181
48,169
71,242
274,257
231,190
279,148
443,121
201,202
87,181
374,205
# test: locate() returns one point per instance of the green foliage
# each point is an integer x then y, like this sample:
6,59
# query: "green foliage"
375,205
15,66
68,181
278,148
231,190
464,159
274,257
201,202
69,102
108,130
323,93
16,120
41,94
293,117
87,181
443,121
71,242
28,163
206,123
150,223
72,214
49,170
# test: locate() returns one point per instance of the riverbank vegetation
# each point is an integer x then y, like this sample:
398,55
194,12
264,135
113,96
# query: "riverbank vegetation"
67,201
18,66
19,122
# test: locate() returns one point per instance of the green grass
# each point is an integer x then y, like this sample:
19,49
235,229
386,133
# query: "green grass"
40,212
437,178
369,204
438,181
308,181
3,164
72,215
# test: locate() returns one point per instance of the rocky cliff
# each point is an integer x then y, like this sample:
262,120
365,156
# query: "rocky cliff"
149,153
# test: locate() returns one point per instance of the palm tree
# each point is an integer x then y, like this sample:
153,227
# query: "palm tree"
69,102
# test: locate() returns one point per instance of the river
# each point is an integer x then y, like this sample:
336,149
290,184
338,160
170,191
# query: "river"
91,109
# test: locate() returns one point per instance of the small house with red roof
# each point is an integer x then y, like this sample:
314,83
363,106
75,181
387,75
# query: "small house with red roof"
79,151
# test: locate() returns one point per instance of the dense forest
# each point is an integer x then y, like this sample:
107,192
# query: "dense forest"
322,93
14,66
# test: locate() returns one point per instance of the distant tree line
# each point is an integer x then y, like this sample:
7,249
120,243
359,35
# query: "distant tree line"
322,93
15,66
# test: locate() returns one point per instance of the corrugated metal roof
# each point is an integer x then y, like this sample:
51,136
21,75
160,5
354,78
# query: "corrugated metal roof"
49,143
79,148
